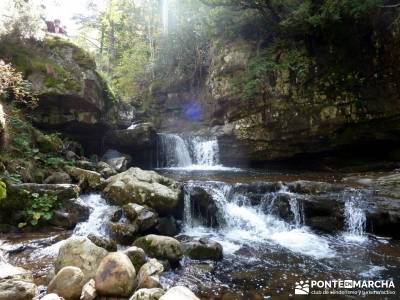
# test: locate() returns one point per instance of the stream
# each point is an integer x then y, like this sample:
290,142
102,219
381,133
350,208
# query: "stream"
265,253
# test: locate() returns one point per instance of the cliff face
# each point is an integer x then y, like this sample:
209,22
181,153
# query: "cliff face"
73,98
309,99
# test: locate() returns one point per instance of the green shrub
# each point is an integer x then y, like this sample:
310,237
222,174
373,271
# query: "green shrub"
40,209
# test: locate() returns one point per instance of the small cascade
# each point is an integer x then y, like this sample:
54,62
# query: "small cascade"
242,221
172,151
100,211
205,152
195,152
355,217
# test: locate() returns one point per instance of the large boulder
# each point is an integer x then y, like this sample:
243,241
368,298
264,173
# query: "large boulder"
117,160
162,247
143,187
179,293
115,276
145,218
203,249
137,256
149,275
148,294
68,283
82,253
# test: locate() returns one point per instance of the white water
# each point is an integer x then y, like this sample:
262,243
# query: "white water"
355,218
190,154
253,225
100,211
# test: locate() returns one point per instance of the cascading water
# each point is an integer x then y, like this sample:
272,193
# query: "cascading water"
100,211
172,151
355,217
242,222
189,153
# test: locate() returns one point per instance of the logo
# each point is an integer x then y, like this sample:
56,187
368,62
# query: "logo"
302,288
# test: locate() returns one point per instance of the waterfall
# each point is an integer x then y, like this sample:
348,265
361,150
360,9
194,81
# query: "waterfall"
100,211
241,221
172,151
354,215
205,152
194,152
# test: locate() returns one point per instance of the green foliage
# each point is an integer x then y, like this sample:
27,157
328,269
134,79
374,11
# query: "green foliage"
41,208
3,190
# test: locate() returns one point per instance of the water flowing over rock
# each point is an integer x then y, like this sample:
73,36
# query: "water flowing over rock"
115,276
143,187
162,247
80,252
191,152
68,283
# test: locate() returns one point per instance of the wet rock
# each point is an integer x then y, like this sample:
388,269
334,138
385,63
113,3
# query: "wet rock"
137,256
204,206
179,293
68,283
143,217
167,226
118,161
143,187
57,178
117,215
162,247
123,233
105,169
314,187
89,291
148,294
203,249
86,178
103,242
115,276
70,213
149,275
82,253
